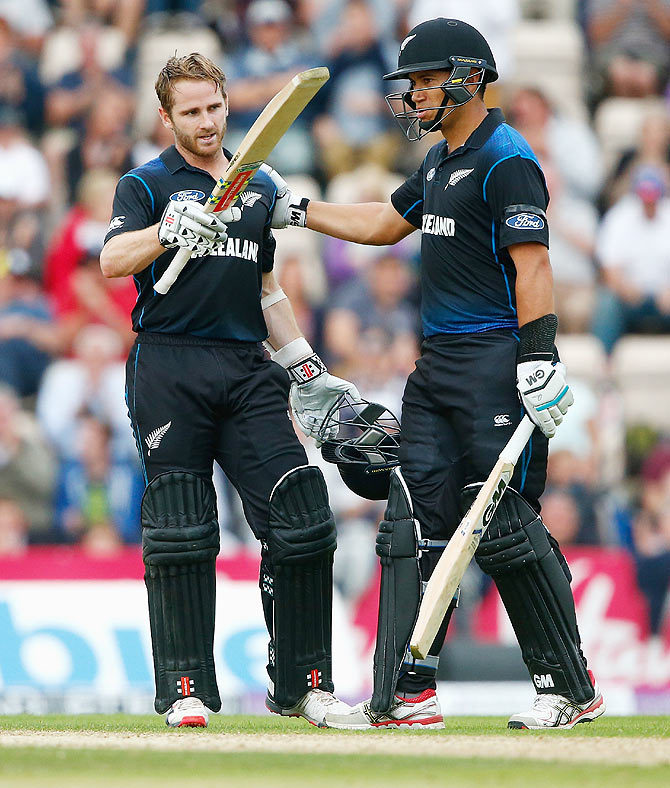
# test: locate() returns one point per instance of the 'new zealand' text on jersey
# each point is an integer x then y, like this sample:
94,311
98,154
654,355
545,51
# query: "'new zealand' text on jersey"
471,205
217,296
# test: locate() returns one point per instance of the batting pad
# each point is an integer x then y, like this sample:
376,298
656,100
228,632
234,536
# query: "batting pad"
533,580
297,573
180,542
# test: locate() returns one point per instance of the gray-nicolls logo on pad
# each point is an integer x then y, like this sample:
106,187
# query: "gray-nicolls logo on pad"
153,439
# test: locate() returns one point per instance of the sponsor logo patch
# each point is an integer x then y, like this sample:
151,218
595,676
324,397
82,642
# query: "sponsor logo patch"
194,195
525,221
502,420
543,681
430,174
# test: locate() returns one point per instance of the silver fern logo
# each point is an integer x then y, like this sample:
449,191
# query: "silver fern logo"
249,198
458,175
153,439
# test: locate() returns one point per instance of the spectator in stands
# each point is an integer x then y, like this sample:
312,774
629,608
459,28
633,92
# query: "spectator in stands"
104,143
652,148
27,471
573,223
634,254
72,97
122,14
651,533
92,381
24,176
355,127
30,21
26,325
13,528
72,279
630,45
20,86
568,512
292,264
259,71
372,310
98,495
567,143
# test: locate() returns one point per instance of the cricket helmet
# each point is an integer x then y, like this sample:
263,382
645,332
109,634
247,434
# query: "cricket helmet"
365,446
440,45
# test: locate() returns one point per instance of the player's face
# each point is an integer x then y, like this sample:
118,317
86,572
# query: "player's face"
427,92
198,117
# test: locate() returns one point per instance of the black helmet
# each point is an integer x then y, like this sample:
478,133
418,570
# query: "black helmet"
365,447
444,45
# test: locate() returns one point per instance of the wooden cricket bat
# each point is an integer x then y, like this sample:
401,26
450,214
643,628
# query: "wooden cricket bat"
458,553
259,141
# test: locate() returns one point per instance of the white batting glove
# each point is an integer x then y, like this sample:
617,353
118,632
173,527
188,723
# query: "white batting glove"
544,393
314,390
290,210
185,224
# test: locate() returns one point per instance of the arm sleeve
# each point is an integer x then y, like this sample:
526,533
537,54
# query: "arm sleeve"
517,195
407,199
133,207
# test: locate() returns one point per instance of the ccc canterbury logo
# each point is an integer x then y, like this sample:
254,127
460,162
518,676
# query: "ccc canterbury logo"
502,420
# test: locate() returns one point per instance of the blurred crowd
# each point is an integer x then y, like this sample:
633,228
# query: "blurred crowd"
587,82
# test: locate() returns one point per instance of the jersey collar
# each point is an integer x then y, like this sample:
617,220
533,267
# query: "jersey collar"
481,134
174,161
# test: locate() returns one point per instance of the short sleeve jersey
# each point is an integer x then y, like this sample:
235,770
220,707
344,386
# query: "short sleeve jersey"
217,296
470,205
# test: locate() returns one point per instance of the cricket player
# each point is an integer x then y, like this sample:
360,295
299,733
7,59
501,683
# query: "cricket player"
200,390
479,199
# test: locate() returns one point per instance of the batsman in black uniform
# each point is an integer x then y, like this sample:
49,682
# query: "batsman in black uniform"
479,200
199,390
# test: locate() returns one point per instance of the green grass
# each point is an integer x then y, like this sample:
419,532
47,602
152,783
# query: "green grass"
50,767
454,726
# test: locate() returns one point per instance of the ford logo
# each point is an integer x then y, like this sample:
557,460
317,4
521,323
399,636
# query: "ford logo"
525,221
189,194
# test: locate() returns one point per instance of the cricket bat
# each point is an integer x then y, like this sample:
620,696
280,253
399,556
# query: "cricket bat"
259,141
458,553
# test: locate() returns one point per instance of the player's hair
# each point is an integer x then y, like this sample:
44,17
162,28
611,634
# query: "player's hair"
193,66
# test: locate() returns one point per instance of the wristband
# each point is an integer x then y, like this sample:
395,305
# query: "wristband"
536,339
300,361
297,214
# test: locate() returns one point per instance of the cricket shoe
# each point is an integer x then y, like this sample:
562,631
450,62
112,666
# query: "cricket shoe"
313,706
187,713
421,713
554,712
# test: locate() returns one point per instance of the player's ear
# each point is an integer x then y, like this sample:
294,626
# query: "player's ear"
165,118
225,103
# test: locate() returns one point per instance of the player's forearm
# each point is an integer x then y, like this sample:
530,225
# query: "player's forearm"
534,282
361,223
130,252
282,325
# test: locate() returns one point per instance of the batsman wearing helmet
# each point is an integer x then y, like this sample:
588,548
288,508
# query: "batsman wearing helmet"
479,200
199,390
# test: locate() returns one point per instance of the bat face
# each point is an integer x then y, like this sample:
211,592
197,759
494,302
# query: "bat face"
237,184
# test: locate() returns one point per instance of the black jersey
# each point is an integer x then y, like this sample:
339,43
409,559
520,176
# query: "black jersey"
217,296
471,205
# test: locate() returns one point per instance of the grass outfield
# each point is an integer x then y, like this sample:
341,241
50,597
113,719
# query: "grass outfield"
130,751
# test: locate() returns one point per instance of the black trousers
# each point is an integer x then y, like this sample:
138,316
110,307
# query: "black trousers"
460,407
194,401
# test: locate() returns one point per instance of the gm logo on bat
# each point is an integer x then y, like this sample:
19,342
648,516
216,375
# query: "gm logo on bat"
525,221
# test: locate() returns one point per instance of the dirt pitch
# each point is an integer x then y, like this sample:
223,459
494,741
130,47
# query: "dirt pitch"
654,751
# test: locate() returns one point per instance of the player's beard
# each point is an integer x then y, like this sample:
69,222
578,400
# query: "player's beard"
191,142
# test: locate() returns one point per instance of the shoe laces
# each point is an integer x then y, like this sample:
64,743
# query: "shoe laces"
188,703
325,698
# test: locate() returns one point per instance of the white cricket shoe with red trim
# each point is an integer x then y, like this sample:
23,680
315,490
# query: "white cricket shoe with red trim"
554,712
420,713
187,713
313,706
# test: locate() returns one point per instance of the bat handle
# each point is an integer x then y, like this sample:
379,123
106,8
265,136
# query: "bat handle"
172,271
518,441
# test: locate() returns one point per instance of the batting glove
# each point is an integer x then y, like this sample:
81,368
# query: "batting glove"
290,210
314,391
544,393
186,224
